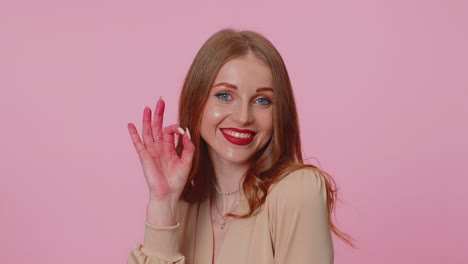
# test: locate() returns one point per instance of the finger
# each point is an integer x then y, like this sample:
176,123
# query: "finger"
147,130
158,117
189,148
168,136
135,138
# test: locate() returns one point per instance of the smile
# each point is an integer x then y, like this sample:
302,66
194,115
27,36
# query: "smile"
238,136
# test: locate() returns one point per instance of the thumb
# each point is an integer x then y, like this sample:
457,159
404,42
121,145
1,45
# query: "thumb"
189,148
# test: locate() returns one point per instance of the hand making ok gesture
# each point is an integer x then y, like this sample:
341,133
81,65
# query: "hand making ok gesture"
165,172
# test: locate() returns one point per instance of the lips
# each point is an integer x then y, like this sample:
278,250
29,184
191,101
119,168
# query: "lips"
237,136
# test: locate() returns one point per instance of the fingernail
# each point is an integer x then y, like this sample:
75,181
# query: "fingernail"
160,98
188,133
181,130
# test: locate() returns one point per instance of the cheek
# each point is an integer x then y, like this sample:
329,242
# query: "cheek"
216,114
212,116
267,122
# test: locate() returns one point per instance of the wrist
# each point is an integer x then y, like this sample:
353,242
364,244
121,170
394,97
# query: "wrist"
161,213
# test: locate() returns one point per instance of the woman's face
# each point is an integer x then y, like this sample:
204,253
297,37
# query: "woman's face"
238,117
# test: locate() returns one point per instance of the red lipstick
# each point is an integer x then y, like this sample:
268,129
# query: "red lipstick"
238,140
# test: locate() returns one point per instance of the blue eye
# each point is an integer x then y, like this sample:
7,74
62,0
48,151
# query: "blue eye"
224,96
263,101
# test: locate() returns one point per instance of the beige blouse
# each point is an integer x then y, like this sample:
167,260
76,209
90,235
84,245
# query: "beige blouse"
292,227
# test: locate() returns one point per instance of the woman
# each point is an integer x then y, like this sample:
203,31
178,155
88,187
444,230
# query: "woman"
234,188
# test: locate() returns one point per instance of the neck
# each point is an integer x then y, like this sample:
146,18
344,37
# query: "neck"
227,204
228,177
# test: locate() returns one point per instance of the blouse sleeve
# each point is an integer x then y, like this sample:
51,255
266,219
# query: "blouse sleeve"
299,219
160,246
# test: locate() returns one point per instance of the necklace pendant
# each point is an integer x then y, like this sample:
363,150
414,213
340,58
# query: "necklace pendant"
223,225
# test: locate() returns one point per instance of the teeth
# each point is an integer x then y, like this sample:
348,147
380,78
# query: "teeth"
237,134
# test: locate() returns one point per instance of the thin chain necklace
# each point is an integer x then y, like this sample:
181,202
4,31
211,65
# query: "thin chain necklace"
233,209
225,193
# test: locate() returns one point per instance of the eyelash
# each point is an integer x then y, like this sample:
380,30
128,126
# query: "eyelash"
268,101
222,96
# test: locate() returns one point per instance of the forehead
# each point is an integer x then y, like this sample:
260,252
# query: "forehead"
245,69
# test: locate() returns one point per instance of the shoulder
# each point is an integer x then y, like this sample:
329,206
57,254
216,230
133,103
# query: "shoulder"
303,180
300,188
298,218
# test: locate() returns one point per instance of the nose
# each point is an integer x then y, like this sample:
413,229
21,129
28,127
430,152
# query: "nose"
242,114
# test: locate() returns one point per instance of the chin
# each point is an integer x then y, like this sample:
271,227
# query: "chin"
238,160
233,156
237,157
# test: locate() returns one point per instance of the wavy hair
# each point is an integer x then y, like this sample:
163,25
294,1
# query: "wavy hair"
278,158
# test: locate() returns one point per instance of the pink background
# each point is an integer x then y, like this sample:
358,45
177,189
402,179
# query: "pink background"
382,90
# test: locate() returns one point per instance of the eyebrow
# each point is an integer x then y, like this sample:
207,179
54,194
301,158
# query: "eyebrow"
232,86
